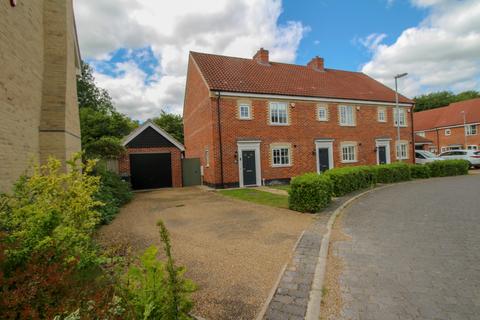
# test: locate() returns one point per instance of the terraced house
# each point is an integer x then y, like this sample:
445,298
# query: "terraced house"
254,121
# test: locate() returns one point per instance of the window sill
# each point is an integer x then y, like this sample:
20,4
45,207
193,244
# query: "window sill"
323,120
348,125
349,161
244,118
279,124
281,165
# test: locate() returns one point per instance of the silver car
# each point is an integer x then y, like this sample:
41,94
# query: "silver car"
422,157
472,156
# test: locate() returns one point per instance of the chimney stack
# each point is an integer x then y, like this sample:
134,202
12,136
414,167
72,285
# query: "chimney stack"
261,57
316,64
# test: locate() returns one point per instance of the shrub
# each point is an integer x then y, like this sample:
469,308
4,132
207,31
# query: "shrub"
448,168
158,290
113,193
393,172
310,192
348,179
419,171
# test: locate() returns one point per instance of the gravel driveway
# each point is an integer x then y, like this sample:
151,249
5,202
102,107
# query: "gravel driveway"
233,250
414,252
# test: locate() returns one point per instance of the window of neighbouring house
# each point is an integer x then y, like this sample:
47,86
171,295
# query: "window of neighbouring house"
402,150
281,156
207,157
346,115
472,147
421,134
382,114
471,130
244,111
448,132
322,112
349,152
403,117
279,113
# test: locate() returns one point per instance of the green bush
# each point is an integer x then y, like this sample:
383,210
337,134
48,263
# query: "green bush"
393,172
113,193
349,179
448,168
310,192
419,171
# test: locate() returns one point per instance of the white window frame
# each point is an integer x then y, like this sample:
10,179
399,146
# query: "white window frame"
325,111
355,152
403,117
383,111
273,105
469,131
472,147
421,134
399,152
448,132
443,149
249,111
343,116
207,157
280,148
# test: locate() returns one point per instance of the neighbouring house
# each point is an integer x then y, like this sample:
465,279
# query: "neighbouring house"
153,158
39,61
254,121
449,128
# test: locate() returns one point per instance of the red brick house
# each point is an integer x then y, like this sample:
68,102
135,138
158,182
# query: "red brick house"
153,158
448,128
254,121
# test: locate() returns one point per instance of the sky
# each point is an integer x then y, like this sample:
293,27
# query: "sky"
139,48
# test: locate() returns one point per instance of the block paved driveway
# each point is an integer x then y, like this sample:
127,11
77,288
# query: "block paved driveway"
414,252
233,250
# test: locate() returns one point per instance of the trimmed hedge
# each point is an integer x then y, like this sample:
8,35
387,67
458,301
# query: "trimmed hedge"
448,168
310,192
393,172
348,179
419,171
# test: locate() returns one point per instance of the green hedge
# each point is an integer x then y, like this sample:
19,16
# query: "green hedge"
419,171
448,168
310,192
393,172
348,179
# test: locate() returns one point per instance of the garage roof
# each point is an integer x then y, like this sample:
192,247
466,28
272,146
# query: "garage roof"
150,124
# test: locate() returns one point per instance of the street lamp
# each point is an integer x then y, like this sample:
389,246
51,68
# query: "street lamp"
464,129
398,76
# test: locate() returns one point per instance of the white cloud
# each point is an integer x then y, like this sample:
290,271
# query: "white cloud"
172,29
372,41
442,52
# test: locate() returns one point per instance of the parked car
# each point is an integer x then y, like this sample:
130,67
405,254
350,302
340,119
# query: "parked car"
422,157
472,156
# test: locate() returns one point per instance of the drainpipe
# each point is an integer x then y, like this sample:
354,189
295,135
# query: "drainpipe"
412,110
220,138
438,142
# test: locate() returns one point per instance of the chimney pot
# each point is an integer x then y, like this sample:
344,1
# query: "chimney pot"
316,64
262,57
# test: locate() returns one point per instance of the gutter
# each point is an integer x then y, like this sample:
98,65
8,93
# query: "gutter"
220,150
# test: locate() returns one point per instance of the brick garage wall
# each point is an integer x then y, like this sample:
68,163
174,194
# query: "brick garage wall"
176,154
302,132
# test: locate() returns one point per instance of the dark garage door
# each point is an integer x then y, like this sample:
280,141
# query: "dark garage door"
151,170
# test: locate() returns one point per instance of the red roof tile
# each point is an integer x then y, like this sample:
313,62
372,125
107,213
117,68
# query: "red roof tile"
448,116
248,76
420,139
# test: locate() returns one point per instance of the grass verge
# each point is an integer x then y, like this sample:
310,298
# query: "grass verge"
285,187
257,196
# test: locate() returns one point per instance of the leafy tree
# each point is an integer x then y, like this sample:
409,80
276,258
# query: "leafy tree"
102,126
172,123
441,99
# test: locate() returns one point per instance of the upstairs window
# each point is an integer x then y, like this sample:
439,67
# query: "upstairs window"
322,112
421,134
403,117
448,132
382,114
471,130
278,113
346,115
244,111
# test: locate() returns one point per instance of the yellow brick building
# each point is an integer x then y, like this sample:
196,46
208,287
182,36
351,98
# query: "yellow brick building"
39,61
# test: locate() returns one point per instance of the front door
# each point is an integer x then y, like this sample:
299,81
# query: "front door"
249,164
382,154
323,159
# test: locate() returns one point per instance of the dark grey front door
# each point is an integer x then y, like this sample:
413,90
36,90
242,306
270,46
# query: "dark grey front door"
249,172
382,154
323,159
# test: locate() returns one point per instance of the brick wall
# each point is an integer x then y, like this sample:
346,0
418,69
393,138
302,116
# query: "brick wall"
456,137
176,154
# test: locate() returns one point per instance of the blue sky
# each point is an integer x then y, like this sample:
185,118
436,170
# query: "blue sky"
139,48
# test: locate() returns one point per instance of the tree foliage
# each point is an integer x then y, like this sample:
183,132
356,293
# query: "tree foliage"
442,98
172,123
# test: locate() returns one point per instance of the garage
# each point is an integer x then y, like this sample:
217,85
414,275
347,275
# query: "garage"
153,158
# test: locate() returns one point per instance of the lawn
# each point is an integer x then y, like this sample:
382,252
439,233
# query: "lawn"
257,196
285,187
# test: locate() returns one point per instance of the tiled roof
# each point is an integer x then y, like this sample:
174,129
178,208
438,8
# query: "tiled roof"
420,139
448,116
232,74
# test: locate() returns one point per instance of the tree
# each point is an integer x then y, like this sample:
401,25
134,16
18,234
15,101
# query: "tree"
172,123
102,126
441,99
